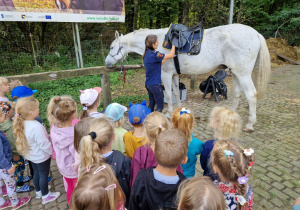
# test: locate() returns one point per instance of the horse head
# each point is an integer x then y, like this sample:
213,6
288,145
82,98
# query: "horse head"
118,51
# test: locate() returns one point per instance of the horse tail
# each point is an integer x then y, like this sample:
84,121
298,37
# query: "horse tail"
262,68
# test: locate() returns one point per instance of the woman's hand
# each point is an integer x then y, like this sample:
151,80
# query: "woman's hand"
171,54
11,170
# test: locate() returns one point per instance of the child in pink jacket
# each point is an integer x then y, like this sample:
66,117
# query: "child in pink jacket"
62,135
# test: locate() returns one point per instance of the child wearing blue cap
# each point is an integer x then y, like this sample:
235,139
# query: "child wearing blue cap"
21,92
133,139
115,112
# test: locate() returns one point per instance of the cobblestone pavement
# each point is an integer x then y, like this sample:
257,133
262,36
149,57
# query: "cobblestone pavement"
276,142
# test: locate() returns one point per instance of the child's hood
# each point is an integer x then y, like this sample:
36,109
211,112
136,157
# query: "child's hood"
6,125
62,137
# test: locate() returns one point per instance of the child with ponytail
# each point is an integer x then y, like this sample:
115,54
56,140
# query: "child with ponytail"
96,148
233,164
98,189
63,110
183,119
144,157
32,142
226,124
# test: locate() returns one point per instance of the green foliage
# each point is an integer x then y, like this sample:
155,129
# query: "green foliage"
71,87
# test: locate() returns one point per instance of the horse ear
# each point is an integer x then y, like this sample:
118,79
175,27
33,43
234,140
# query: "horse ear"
130,104
144,103
121,34
117,35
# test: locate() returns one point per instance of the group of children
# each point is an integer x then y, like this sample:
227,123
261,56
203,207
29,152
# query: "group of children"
106,167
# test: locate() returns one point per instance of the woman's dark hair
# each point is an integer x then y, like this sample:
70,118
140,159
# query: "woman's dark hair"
149,42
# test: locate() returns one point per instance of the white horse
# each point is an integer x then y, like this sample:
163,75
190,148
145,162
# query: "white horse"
239,47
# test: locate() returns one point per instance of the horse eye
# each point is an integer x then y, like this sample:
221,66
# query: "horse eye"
111,48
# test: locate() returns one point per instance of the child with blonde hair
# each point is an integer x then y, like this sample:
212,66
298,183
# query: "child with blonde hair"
144,157
7,173
226,124
32,142
156,187
81,130
115,112
4,88
14,83
233,164
17,160
90,100
183,119
97,189
96,146
200,193
61,113
136,116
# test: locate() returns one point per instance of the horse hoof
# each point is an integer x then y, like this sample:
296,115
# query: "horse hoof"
247,130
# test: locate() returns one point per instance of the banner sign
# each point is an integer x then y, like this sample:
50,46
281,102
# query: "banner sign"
85,11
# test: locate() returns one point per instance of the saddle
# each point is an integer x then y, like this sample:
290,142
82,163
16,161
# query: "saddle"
213,84
186,40
179,34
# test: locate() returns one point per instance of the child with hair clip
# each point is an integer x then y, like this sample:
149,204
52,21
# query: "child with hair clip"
97,145
115,112
62,135
144,157
81,129
4,89
233,164
17,160
32,142
7,173
183,119
156,187
90,100
226,124
200,193
136,116
97,189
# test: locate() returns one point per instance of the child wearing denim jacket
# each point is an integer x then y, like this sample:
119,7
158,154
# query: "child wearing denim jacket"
7,173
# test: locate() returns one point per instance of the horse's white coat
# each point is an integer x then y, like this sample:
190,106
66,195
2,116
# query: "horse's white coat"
239,47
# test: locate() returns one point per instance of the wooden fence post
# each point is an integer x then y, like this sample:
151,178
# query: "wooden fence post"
193,84
106,91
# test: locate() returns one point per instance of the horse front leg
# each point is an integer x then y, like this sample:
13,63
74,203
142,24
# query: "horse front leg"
167,81
175,86
236,92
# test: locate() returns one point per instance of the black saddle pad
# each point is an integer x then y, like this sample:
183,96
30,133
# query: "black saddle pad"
182,43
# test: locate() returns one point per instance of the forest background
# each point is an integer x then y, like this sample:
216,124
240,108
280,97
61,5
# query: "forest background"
30,47
54,46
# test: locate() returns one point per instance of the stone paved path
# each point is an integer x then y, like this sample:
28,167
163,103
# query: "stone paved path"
276,142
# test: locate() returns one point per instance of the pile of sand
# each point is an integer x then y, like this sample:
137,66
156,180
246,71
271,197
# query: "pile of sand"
282,47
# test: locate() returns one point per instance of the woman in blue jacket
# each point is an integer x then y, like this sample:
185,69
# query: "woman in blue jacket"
152,61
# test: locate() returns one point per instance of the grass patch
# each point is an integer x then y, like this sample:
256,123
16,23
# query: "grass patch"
71,87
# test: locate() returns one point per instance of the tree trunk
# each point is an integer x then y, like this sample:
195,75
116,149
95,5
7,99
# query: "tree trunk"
186,13
135,14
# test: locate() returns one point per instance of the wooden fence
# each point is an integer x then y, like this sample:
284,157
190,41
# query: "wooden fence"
55,75
102,70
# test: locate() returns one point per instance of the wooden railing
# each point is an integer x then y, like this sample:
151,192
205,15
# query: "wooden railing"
55,75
